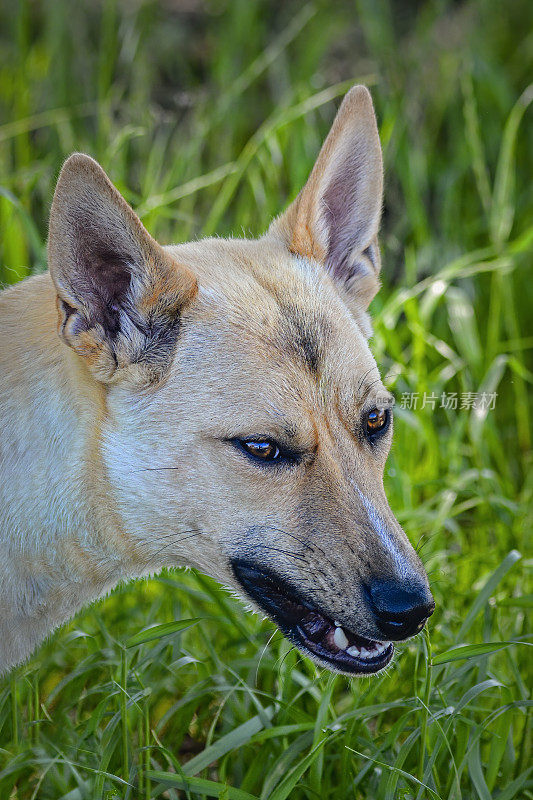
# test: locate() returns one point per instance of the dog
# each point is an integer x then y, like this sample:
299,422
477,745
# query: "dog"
212,404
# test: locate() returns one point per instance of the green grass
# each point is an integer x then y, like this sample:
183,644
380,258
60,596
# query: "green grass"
207,116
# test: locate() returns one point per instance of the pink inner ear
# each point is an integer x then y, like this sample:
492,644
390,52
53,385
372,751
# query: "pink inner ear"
101,276
114,279
350,219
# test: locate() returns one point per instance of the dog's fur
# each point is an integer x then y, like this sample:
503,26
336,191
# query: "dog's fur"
115,449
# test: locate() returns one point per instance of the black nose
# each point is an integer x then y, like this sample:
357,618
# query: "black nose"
400,609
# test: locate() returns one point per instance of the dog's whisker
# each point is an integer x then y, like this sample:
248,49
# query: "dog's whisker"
265,648
294,556
308,545
371,369
153,469
289,651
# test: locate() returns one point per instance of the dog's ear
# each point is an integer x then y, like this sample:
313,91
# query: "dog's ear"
335,218
119,293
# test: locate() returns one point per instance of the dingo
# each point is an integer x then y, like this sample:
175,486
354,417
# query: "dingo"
212,404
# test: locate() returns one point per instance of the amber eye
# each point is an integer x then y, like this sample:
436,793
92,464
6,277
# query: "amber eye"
376,421
264,451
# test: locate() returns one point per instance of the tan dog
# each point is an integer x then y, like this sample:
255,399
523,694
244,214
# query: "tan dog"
213,404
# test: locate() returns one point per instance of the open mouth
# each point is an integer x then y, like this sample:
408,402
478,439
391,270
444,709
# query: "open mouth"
308,628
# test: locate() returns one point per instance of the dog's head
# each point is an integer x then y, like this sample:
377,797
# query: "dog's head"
245,426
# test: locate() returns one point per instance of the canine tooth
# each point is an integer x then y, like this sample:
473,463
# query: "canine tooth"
340,639
353,651
364,652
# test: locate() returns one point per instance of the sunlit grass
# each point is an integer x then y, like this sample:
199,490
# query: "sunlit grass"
208,120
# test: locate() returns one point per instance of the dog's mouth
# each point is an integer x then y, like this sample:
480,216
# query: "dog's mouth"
312,631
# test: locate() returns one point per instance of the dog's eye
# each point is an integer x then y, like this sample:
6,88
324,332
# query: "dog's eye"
376,421
264,451
268,452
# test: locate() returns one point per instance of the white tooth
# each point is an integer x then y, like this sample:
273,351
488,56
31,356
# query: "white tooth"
339,637
364,652
336,623
379,649
353,651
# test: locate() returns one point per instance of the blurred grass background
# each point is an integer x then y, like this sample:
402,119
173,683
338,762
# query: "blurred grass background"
208,117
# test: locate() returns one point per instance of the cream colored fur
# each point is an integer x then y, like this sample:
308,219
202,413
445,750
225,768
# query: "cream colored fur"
114,451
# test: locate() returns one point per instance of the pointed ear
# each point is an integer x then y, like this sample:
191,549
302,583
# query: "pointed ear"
335,218
119,293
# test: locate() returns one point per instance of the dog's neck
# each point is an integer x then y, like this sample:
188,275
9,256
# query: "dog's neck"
54,556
